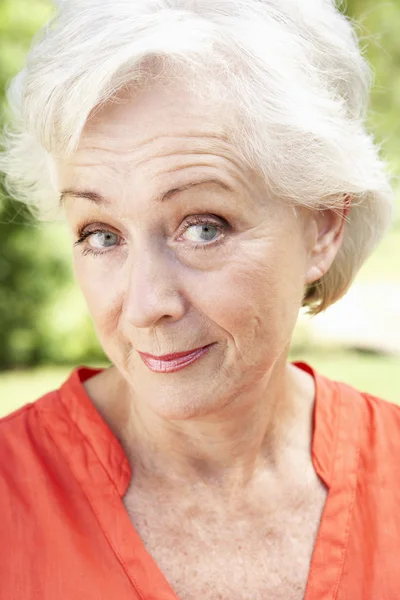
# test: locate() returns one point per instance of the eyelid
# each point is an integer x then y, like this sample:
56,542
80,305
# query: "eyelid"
199,219
206,219
93,227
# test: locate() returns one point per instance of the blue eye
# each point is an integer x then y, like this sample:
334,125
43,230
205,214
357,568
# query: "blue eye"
102,239
206,232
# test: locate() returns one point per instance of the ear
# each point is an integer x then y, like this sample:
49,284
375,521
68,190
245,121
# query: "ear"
327,229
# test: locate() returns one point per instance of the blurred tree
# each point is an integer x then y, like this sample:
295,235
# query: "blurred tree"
40,317
28,272
378,24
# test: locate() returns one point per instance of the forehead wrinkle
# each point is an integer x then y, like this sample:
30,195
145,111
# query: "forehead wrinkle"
231,163
191,145
148,141
234,164
124,163
224,177
224,146
189,153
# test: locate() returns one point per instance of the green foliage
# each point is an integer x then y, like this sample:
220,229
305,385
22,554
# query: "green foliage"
28,274
378,26
42,316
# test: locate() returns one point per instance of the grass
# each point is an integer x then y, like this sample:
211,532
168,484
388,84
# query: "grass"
378,375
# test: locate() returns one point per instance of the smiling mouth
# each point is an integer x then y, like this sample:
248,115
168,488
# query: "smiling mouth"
174,355
173,362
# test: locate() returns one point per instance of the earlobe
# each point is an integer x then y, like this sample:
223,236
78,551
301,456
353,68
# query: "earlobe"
313,274
328,237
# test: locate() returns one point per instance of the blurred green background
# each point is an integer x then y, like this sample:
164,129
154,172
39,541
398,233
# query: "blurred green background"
45,330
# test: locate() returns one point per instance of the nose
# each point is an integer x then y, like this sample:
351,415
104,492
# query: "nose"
153,289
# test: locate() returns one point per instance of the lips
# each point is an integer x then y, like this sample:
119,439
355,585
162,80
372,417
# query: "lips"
171,356
173,362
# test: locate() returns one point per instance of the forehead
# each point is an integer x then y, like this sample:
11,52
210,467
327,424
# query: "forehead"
159,135
136,119
142,145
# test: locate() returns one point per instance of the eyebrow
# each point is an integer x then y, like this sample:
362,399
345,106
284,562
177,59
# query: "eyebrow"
101,200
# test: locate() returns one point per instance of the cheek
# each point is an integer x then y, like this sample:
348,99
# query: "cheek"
256,299
99,284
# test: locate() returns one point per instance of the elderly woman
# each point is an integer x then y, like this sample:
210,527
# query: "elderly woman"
212,164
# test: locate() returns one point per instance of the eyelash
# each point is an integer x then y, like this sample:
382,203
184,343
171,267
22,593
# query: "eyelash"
83,236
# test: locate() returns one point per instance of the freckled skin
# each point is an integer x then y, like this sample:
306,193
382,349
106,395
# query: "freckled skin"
224,443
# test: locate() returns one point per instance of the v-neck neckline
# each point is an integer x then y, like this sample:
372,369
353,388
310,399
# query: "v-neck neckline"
99,463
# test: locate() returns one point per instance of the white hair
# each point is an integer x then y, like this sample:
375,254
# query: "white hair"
291,70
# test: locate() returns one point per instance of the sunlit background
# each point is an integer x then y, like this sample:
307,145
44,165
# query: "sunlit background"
45,330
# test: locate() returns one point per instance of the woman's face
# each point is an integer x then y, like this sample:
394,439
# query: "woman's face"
178,246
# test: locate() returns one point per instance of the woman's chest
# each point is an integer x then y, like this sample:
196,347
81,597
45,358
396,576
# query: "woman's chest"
206,555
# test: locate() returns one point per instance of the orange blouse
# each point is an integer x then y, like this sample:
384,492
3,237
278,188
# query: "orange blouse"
65,534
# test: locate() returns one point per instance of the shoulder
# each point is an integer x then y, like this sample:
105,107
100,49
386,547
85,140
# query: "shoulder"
21,434
378,407
377,412
29,437
347,422
378,425
382,420
27,420
339,400
20,420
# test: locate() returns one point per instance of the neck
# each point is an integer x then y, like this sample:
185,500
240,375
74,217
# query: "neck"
253,431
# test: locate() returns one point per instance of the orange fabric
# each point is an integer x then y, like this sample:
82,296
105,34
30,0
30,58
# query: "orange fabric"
65,534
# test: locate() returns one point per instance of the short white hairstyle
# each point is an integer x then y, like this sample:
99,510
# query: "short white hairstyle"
291,70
